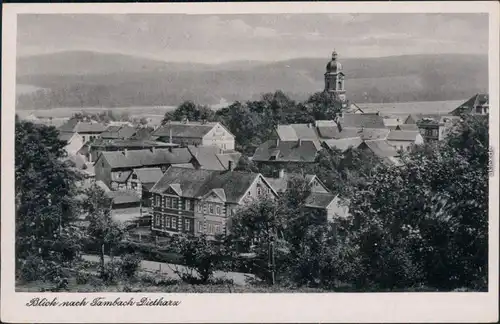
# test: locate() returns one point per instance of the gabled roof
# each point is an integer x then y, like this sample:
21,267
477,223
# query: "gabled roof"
75,126
286,151
280,184
344,143
198,183
121,132
148,175
399,135
120,176
333,132
479,99
366,120
225,158
65,137
142,158
381,148
207,157
407,127
188,129
128,143
319,200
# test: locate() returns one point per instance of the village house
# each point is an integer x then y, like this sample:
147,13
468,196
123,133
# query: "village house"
88,130
141,181
404,140
213,158
432,127
115,168
196,133
278,153
476,105
388,154
327,205
91,150
119,132
74,142
202,201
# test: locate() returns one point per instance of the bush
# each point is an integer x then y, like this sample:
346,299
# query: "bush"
129,264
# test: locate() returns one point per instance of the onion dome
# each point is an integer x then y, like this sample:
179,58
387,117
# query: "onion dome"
333,65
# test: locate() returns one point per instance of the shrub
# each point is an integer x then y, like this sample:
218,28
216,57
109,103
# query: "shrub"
129,265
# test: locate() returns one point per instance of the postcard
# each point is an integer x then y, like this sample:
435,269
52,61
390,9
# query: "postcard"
250,162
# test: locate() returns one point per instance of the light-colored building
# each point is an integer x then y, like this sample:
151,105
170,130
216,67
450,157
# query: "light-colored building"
88,130
74,142
196,133
202,201
404,140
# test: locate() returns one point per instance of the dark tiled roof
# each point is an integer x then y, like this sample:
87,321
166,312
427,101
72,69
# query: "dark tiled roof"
407,127
381,148
280,184
126,143
286,151
123,132
207,157
479,99
367,120
76,126
319,200
188,130
148,175
143,134
197,183
399,135
225,158
344,143
141,158
65,136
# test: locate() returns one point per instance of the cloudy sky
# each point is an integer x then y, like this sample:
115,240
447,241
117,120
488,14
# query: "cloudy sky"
219,38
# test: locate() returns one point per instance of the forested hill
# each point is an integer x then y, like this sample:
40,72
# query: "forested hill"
76,79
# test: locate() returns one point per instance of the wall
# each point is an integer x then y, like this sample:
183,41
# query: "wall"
74,145
103,171
220,137
177,212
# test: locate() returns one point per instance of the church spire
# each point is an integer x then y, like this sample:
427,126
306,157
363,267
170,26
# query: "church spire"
334,78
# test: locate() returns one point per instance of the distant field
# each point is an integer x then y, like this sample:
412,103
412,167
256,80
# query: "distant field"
68,112
421,107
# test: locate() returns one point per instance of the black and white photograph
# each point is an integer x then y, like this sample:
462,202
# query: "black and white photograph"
251,153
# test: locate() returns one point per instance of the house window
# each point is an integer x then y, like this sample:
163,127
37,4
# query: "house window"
211,209
479,110
233,211
217,229
204,208
200,227
259,191
218,210
187,203
157,221
161,222
187,225
169,222
200,207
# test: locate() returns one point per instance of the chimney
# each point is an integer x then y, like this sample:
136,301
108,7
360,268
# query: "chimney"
153,149
300,142
230,166
277,142
170,149
281,174
125,152
170,135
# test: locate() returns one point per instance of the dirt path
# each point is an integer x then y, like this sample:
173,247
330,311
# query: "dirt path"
168,269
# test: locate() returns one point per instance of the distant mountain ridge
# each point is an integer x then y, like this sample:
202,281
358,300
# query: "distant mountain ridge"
84,78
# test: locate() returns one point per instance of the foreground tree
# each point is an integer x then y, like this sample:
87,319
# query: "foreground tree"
46,240
102,230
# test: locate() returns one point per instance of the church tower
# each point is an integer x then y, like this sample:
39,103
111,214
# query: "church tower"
334,78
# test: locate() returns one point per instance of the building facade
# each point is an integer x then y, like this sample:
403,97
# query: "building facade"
187,133
197,202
